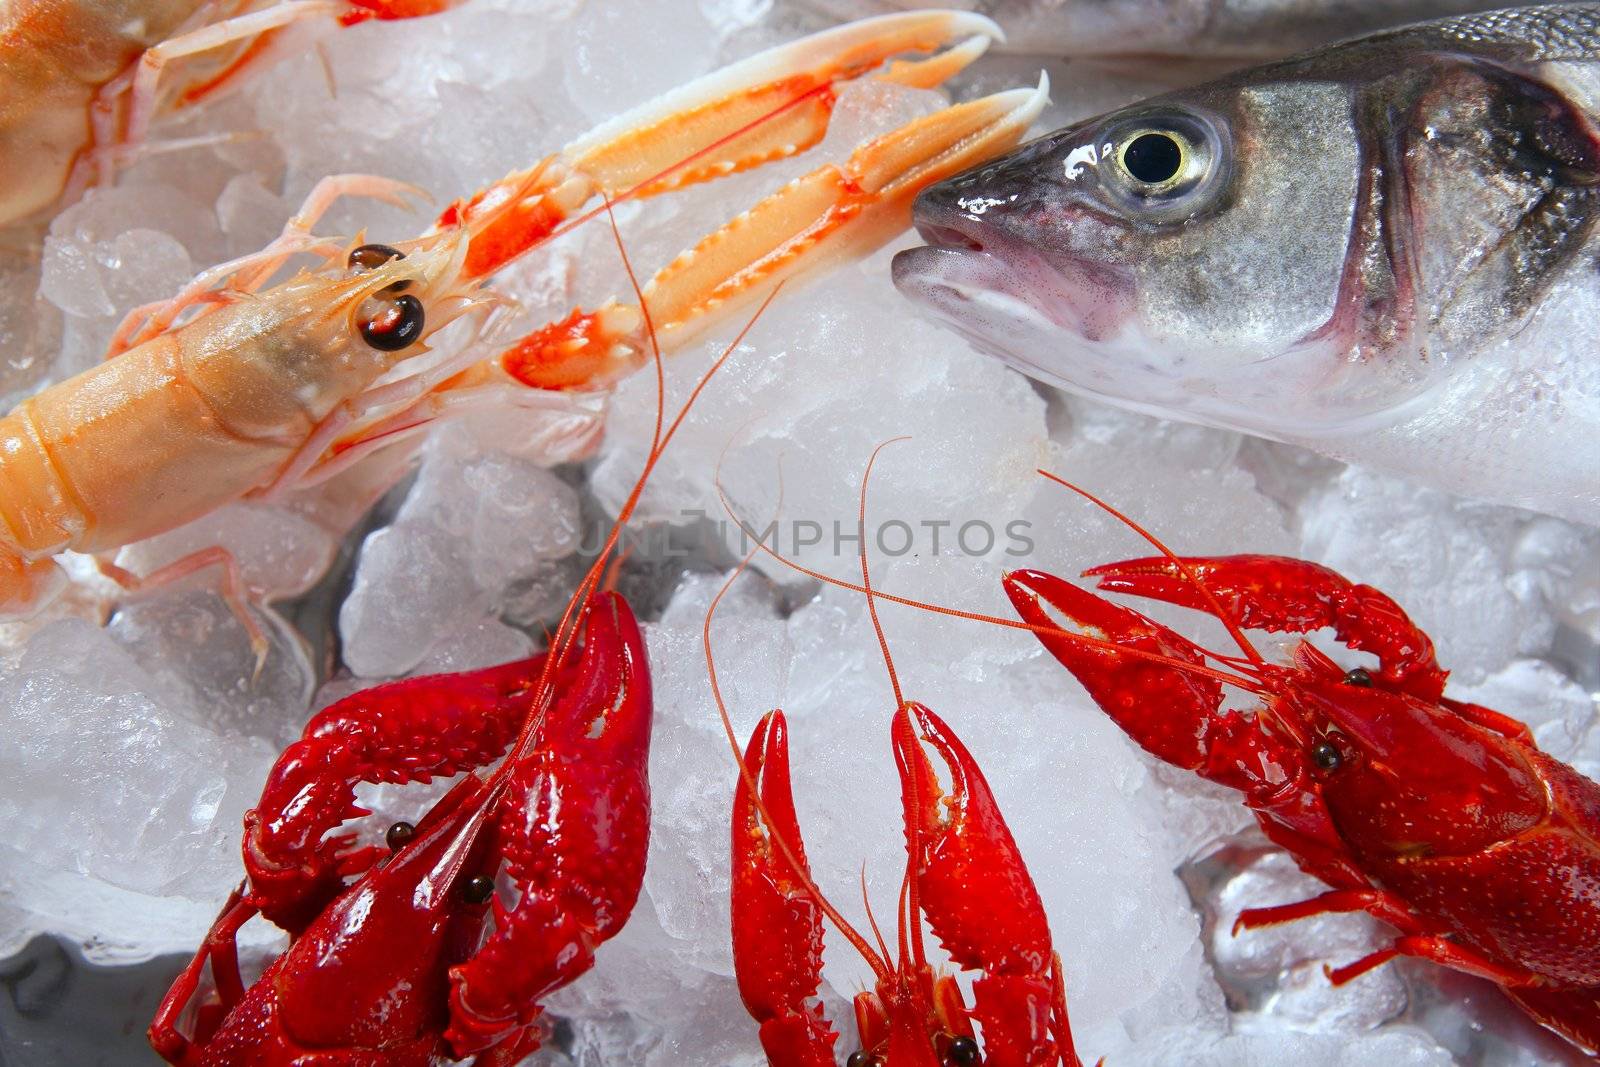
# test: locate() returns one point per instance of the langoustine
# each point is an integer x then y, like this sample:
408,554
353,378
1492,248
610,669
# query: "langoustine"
263,389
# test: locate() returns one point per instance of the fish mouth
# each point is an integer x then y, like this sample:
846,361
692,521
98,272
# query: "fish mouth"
961,232
1006,297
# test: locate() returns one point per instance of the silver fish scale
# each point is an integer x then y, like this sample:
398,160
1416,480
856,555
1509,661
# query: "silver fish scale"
1392,260
1564,32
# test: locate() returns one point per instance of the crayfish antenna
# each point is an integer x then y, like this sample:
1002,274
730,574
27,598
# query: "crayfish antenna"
872,920
661,436
1248,684
1223,615
798,868
866,577
910,898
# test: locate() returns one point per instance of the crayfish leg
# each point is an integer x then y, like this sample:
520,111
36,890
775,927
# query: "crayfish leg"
1573,1012
1440,950
1375,902
221,950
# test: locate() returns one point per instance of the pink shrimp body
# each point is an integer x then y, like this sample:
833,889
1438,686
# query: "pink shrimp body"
234,387
152,438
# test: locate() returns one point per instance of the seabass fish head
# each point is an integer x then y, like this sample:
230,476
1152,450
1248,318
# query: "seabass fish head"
1302,248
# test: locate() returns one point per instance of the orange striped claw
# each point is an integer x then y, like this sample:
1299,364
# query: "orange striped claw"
772,105
836,213
583,350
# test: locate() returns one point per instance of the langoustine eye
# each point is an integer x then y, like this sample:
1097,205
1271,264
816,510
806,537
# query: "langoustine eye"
371,257
390,320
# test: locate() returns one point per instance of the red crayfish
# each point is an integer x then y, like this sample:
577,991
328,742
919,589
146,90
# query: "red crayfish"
964,875
1441,818
393,968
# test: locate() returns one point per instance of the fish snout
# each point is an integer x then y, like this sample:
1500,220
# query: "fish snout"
943,223
1003,201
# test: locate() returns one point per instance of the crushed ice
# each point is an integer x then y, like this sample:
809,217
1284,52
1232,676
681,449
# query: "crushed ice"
133,749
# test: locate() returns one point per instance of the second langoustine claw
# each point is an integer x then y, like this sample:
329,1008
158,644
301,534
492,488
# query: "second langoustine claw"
236,387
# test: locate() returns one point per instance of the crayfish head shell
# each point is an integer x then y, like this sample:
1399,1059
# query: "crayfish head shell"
1405,777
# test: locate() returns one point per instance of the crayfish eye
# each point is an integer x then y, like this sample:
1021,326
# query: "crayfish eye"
1359,676
371,257
478,890
862,1058
390,320
962,1052
1326,756
398,835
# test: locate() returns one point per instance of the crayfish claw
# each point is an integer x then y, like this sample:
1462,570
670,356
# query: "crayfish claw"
1278,594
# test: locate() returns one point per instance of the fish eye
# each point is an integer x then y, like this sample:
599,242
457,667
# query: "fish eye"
1153,158
1164,166
390,320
